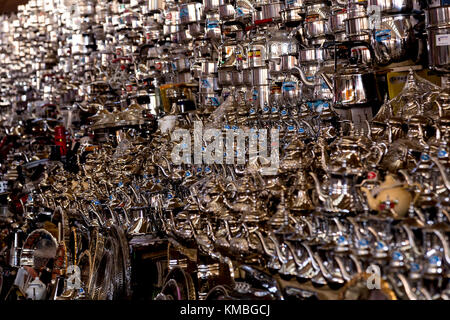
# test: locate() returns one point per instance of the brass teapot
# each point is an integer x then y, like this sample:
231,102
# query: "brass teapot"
391,195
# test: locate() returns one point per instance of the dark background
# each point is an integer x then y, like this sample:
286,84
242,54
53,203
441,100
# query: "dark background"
7,6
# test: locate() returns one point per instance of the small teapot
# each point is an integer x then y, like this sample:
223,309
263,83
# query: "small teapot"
391,194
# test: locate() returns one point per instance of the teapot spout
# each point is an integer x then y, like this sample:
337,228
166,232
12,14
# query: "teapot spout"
301,76
443,173
318,186
327,80
264,245
373,203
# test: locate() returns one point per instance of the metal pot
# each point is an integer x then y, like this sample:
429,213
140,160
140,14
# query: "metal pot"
357,26
237,78
288,62
393,6
172,17
261,76
280,44
292,17
438,29
291,90
354,87
269,12
247,75
315,27
439,48
168,30
196,29
209,67
312,55
184,77
191,12
337,20
212,27
437,17
210,5
226,12
156,5
256,55
394,40
182,64
208,84
225,76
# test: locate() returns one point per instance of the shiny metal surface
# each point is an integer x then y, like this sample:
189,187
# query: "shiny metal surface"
393,6
394,40
89,107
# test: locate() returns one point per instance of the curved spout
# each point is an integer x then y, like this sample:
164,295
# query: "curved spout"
411,240
229,205
445,246
159,166
322,195
210,231
341,265
357,263
327,80
201,206
266,249
327,275
311,256
236,170
407,177
323,157
407,286
303,77
300,264
443,173
280,255
228,229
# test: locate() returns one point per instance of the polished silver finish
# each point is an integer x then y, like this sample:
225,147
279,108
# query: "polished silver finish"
260,76
208,84
438,50
209,67
357,26
226,11
393,6
337,20
225,76
394,40
292,16
191,13
354,87
288,62
270,11
155,5
211,5
437,16
438,30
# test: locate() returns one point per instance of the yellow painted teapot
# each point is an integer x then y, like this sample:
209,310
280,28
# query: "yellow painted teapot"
391,194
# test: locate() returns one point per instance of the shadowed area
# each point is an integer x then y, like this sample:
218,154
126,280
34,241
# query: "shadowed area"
7,6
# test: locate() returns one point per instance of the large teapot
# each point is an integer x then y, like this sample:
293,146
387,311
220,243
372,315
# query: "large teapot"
390,195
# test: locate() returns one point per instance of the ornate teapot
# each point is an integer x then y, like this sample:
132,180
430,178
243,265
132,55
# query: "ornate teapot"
391,194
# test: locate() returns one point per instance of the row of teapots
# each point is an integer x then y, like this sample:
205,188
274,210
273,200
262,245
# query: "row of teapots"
252,224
